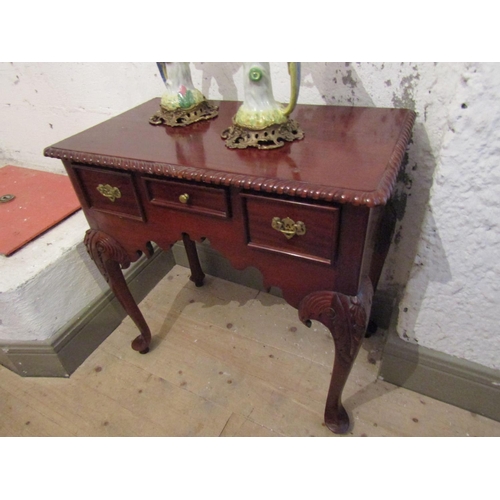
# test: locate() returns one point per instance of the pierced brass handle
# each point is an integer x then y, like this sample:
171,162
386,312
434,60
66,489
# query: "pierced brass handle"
110,192
288,227
184,198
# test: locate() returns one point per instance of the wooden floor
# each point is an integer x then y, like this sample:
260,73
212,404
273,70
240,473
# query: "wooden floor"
226,360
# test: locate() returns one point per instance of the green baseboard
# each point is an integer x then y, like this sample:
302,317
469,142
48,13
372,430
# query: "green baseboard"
63,353
456,381
215,264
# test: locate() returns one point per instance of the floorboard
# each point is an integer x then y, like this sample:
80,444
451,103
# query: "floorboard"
226,360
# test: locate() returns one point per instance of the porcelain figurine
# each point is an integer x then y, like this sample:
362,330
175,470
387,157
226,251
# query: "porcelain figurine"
260,121
181,104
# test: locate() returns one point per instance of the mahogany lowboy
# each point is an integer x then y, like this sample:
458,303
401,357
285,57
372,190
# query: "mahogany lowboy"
313,216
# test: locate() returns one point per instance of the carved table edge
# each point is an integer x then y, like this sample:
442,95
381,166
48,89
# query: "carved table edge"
298,189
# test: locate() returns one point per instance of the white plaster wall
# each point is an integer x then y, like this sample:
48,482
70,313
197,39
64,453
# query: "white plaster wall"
442,266
43,103
49,281
44,285
452,299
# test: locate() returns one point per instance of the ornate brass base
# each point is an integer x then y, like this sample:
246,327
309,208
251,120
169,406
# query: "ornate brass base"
182,117
271,137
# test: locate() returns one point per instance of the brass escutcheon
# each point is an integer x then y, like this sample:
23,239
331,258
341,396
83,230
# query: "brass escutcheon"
110,192
184,198
288,227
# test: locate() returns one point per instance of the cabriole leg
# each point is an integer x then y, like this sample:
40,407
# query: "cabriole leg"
346,317
109,255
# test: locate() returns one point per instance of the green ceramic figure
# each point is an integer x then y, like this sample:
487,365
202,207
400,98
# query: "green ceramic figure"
261,113
182,103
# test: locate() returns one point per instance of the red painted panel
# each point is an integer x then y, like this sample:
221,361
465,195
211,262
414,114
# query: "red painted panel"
42,200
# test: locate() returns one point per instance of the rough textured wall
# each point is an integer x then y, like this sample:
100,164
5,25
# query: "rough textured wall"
452,299
43,103
442,266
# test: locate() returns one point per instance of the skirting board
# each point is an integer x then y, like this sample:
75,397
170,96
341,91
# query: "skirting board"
456,381
66,350
446,378
215,264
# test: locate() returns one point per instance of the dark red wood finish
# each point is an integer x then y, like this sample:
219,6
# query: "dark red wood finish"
201,199
321,223
336,181
128,205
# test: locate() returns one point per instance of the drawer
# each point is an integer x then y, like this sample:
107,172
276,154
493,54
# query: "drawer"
109,191
302,230
188,197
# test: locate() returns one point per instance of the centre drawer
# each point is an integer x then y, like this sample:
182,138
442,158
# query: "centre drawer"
303,230
188,196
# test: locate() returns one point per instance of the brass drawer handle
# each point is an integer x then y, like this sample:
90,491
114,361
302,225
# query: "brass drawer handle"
110,192
288,227
184,198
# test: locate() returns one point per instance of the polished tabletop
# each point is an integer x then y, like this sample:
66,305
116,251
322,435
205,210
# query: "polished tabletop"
348,154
